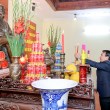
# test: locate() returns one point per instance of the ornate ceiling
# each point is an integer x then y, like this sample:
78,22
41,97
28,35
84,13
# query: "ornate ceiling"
61,5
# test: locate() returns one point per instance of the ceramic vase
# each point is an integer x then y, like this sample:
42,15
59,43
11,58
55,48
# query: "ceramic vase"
15,68
54,92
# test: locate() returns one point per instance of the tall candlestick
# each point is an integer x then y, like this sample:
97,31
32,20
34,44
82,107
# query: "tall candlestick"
63,42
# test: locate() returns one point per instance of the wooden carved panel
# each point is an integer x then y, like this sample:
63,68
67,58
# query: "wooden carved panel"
8,106
72,0
19,96
60,5
18,106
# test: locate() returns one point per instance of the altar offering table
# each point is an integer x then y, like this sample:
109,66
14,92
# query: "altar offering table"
17,96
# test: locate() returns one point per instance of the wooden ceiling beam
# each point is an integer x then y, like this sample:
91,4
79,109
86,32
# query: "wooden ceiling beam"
80,4
52,4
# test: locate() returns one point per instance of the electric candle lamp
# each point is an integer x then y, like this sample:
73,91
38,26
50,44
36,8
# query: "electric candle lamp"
22,60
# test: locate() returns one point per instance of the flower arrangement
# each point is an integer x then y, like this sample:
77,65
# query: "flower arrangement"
54,35
21,14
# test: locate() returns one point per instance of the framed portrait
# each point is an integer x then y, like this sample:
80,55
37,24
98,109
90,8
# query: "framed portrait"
5,4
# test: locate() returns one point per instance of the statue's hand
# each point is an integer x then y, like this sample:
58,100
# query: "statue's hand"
3,40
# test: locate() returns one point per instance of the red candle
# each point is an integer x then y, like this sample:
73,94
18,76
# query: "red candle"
63,42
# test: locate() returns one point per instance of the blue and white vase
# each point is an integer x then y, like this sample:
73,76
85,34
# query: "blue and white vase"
54,92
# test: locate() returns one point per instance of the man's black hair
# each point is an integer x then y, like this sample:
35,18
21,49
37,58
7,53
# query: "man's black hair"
107,52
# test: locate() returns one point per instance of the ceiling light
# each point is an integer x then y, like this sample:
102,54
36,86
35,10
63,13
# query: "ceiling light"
75,18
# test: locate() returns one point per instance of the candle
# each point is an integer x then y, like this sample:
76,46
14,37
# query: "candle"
77,48
88,54
84,47
63,42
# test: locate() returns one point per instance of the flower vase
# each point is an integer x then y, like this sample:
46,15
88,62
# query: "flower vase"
15,68
54,92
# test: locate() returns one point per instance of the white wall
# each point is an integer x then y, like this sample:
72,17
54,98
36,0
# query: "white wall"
39,25
74,33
